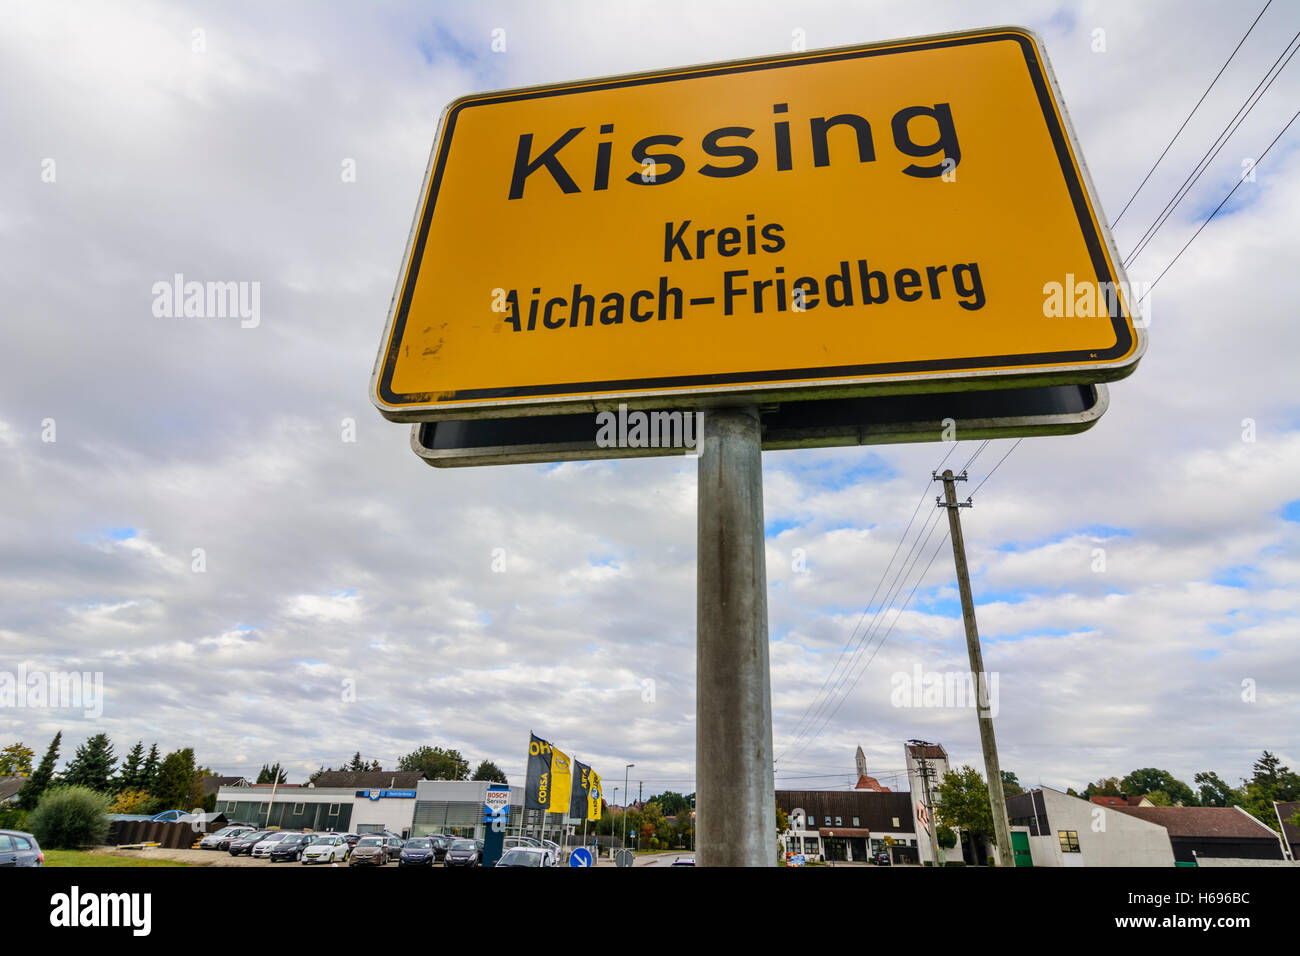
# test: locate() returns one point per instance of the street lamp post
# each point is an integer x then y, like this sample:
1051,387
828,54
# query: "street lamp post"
625,791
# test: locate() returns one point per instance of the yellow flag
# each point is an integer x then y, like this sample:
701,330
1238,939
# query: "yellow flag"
595,795
561,781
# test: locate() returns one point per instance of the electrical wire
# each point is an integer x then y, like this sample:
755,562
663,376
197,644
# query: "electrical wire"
995,468
1191,114
800,724
1216,210
1215,148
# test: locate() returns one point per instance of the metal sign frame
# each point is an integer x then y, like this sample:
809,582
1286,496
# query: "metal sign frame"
505,400
829,423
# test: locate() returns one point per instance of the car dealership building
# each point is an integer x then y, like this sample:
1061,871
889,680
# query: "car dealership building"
369,802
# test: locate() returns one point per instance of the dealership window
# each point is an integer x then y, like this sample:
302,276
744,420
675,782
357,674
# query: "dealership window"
839,821
297,808
1069,841
895,823
261,808
855,821
334,810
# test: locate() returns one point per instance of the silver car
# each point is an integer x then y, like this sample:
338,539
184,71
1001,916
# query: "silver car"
263,849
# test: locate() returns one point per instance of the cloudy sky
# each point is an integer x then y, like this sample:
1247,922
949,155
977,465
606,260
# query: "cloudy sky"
347,599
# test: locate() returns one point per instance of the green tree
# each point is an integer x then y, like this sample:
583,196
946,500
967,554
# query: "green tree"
359,765
92,765
962,800
673,803
16,760
272,774
129,776
1269,782
149,772
179,785
490,772
1010,784
436,763
39,781
1148,780
782,820
1213,792
70,817
1105,787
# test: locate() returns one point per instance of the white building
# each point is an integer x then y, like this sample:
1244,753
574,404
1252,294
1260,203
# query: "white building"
927,761
1062,830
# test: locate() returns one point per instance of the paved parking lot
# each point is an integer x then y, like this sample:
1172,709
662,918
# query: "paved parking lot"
222,858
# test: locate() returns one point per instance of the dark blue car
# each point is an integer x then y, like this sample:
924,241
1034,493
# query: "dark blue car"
19,849
418,852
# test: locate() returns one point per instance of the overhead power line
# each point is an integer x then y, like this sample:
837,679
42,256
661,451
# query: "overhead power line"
815,702
1216,147
1191,114
1217,208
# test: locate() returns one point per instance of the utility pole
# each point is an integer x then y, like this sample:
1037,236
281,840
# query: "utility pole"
997,799
926,773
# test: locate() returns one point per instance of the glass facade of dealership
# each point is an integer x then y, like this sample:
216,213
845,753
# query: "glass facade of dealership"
435,806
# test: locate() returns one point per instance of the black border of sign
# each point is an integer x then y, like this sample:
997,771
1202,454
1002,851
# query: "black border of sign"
1123,338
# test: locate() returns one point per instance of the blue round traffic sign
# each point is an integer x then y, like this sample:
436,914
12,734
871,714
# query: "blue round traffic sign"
580,857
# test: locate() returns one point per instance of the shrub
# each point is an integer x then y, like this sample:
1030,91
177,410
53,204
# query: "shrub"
70,817
13,818
130,801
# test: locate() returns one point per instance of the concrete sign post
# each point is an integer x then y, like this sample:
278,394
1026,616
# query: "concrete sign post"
735,798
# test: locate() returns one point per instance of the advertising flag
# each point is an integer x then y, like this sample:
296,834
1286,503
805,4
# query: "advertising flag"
537,787
595,796
561,781
579,802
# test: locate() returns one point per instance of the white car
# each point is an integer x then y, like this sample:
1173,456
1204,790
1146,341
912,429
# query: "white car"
328,848
263,850
527,856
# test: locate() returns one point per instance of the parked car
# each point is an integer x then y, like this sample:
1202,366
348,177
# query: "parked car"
527,856
327,848
882,859
222,838
264,847
351,838
245,842
463,853
375,850
440,844
291,847
418,852
18,848
684,861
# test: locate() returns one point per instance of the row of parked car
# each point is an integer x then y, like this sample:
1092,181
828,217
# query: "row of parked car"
374,849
